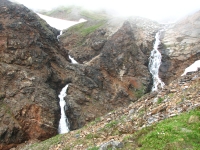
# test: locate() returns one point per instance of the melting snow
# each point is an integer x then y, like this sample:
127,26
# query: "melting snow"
192,68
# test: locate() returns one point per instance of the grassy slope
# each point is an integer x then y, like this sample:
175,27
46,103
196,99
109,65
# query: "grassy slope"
177,133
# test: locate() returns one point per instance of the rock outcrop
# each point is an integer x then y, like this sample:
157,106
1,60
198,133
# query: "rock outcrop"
31,72
114,66
180,47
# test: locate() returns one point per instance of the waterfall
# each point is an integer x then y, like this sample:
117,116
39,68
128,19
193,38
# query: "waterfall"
63,123
59,35
154,64
73,60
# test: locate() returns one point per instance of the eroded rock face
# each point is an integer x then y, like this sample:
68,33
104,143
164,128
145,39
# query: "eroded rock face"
180,47
114,69
30,62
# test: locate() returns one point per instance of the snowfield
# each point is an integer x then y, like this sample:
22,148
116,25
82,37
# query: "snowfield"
59,24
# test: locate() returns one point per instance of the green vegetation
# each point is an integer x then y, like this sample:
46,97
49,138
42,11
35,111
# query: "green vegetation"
91,136
91,29
111,124
160,99
171,95
86,28
95,121
176,133
45,145
139,92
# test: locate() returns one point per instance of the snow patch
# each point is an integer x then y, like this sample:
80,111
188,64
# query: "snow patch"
59,24
192,68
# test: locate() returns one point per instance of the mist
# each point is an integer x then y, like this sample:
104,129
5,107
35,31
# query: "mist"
157,10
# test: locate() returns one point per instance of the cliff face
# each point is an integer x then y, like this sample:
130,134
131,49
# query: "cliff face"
30,61
180,47
114,64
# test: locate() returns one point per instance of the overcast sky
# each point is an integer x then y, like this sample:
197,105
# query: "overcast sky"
153,9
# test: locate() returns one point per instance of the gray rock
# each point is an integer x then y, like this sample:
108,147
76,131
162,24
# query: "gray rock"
111,144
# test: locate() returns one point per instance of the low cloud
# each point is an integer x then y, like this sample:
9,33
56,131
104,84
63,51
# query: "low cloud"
152,9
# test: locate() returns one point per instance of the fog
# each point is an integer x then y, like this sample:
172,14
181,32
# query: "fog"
153,9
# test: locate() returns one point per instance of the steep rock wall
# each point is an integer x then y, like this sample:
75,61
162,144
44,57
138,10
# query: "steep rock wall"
30,61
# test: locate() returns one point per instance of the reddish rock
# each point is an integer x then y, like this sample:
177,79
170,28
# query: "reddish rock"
31,73
114,73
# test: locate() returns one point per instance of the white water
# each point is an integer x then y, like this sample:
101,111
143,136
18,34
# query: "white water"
73,60
61,25
154,64
63,123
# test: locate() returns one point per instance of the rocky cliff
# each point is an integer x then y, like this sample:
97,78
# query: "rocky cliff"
113,61
180,47
112,71
31,71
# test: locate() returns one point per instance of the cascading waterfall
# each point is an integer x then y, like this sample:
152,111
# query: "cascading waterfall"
59,35
63,123
154,64
73,60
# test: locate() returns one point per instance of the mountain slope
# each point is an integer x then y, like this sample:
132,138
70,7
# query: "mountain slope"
115,58
112,73
136,125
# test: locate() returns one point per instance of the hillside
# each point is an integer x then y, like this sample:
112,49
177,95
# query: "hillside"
140,125
75,13
109,102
